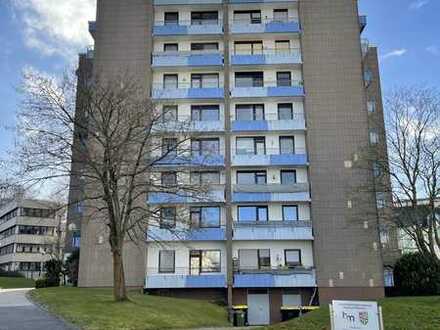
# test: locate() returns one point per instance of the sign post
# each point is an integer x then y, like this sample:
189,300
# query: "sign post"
355,315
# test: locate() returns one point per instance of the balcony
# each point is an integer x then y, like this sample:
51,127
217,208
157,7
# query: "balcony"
186,2
185,28
92,28
268,56
362,22
298,192
270,89
181,280
275,278
297,123
200,234
273,230
297,159
291,25
184,197
195,160
192,126
194,59
260,1
160,93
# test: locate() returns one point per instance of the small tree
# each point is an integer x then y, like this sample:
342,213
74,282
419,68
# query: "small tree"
72,267
116,132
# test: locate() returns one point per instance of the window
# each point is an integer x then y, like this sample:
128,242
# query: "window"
204,47
248,47
252,213
288,176
170,81
291,298
249,112
282,47
205,147
377,170
205,261
374,136
167,217
292,258
204,17
204,80
169,147
166,261
372,106
247,16
170,47
287,145
36,230
202,178
76,239
381,200
251,146
37,213
254,259
169,178
205,217
290,212
285,111
250,177
171,18
205,113
284,79
8,216
169,113
30,266
280,15
249,79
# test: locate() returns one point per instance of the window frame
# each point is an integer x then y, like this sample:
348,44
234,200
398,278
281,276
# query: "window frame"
169,76
174,262
257,213
256,140
199,210
199,108
200,257
257,78
283,84
284,213
256,175
252,107
164,173
171,22
286,137
162,224
299,254
199,150
170,44
279,105
288,171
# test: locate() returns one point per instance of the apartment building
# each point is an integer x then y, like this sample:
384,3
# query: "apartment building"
31,233
277,98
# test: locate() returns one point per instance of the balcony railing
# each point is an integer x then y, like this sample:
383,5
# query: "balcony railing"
271,188
191,126
214,160
271,158
273,230
194,234
190,58
187,28
184,277
289,25
277,277
268,56
297,123
186,91
186,2
289,88
182,197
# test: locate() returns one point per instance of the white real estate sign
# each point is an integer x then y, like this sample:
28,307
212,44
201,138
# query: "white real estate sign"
355,315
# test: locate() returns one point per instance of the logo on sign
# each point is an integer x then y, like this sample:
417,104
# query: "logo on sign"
363,317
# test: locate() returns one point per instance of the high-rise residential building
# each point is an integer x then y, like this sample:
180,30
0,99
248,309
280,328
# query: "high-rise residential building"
31,233
279,96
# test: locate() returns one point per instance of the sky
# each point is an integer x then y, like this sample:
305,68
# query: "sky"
47,35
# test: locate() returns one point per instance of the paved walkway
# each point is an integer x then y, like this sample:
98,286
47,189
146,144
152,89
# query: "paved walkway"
18,313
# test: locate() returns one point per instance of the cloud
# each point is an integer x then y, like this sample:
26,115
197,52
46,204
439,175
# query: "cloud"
55,27
394,53
434,50
416,5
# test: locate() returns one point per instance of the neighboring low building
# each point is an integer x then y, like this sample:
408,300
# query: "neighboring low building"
31,233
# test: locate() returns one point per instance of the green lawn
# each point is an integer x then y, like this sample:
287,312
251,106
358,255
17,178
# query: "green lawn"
95,309
403,313
16,283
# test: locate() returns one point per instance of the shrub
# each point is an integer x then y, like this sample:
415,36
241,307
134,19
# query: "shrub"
41,283
72,266
54,269
10,274
417,274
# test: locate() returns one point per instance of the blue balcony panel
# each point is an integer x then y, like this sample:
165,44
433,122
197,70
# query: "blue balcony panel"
211,160
270,125
202,234
193,126
186,2
267,280
244,197
269,27
165,60
289,159
259,1
270,231
293,91
175,29
265,59
188,93
217,196
267,160
172,281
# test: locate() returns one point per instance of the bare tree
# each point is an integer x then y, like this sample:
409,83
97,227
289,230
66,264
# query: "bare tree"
117,135
413,139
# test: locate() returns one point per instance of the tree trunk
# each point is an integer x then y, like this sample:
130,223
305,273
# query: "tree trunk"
119,289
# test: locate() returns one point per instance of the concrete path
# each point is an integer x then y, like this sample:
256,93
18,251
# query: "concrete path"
18,313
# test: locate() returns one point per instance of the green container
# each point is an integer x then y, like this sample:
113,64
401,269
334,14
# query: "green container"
240,318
